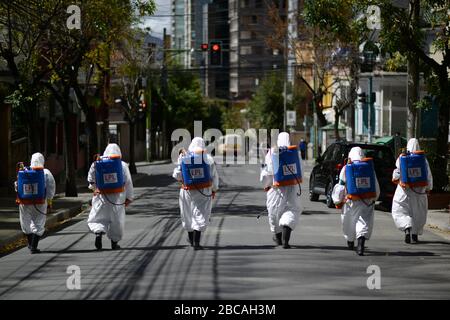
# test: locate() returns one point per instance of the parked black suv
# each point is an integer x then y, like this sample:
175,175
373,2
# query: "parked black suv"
325,173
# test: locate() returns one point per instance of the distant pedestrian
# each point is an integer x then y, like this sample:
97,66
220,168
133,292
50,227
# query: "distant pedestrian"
302,146
414,180
35,188
197,173
110,179
356,193
282,176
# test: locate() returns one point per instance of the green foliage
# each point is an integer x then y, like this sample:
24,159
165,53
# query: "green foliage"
265,110
338,18
396,63
440,180
185,101
232,118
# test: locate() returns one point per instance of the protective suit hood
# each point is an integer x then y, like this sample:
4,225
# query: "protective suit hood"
355,154
283,140
413,145
37,160
112,149
197,144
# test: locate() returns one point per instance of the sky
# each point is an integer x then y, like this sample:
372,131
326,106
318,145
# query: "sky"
161,19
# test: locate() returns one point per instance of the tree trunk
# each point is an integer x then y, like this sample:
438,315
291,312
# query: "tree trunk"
413,76
71,183
320,116
336,123
91,121
34,128
353,95
132,166
413,96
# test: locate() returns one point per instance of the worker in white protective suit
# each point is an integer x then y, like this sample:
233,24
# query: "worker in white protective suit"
34,216
357,214
283,202
410,205
196,203
107,215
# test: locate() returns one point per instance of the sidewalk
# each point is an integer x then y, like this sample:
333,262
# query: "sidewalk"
438,222
64,208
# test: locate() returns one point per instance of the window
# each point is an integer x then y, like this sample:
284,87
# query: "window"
245,3
246,35
258,3
246,50
328,155
258,50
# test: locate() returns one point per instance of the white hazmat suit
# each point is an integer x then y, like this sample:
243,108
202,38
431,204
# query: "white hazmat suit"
410,207
108,210
195,207
283,203
33,217
357,215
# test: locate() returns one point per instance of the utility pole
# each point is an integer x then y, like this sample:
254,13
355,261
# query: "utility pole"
370,105
164,93
285,83
316,140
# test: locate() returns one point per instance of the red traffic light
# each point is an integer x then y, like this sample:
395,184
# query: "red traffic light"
215,47
204,46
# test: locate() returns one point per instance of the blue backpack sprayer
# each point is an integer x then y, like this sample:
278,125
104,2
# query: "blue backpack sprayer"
413,170
195,172
360,176
30,186
109,176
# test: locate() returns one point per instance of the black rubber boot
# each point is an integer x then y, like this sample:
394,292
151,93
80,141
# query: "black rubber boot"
286,236
191,238
408,235
34,244
197,235
114,245
29,237
351,245
414,238
360,249
98,240
277,238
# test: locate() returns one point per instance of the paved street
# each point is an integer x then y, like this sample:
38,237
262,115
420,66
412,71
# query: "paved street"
239,260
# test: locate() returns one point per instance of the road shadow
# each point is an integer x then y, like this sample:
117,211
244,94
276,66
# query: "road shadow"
239,247
402,254
433,242
155,180
311,212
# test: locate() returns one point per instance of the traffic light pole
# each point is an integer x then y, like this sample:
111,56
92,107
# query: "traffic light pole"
370,104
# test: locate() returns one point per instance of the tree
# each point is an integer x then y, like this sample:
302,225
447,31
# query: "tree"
65,50
23,24
397,34
265,109
340,28
130,63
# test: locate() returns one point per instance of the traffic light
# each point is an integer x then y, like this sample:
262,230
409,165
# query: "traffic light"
362,98
204,47
215,53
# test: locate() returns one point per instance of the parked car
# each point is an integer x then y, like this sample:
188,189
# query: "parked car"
325,173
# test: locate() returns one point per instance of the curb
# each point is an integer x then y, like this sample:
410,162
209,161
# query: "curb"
51,222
